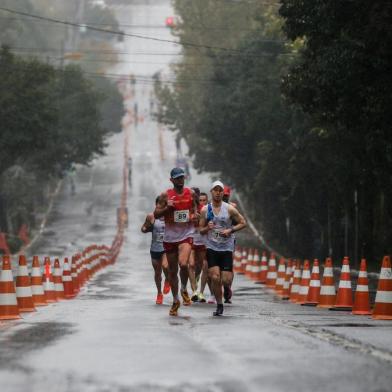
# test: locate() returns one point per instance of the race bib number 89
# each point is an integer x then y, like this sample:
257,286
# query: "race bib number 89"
181,216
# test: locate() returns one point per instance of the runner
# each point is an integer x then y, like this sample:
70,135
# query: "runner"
158,257
198,254
216,222
178,207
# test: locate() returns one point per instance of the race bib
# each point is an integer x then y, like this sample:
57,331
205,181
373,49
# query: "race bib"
217,236
159,237
181,216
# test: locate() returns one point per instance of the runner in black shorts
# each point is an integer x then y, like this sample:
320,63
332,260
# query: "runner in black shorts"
217,222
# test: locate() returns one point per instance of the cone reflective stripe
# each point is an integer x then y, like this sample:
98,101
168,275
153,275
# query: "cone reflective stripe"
57,280
37,289
280,277
8,303
23,287
304,286
314,285
74,275
67,280
48,284
344,297
361,297
244,260
271,273
296,282
383,304
262,278
287,278
256,266
249,262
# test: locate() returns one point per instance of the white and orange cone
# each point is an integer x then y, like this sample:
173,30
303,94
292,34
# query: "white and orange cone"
327,296
237,259
256,266
48,284
280,277
8,303
262,278
361,297
304,286
23,287
74,275
244,260
37,288
296,282
249,263
314,286
57,280
287,278
67,280
271,273
344,297
383,304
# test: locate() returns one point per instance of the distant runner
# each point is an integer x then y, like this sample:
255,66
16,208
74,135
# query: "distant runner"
217,222
178,207
198,254
158,257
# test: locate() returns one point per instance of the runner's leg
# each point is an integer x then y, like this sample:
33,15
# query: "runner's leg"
192,272
184,252
216,283
157,265
172,259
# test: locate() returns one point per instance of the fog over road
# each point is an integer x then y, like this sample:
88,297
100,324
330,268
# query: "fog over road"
113,337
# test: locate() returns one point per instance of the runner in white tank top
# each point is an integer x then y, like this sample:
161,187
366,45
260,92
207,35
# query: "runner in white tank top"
216,222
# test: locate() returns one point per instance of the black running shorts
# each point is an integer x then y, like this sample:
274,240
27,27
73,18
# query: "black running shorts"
156,255
221,259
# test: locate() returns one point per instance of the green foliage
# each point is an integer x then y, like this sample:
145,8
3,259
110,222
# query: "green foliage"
298,157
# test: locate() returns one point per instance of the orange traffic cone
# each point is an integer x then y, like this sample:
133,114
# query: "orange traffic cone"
296,282
304,286
37,289
271,273
256,266
237,259
244,260
48,284
8,303
281,275
327,296
74,275
287,277
262,277
361,297
248,268
344,297
23,287
67,280
314,286
383,305
57,280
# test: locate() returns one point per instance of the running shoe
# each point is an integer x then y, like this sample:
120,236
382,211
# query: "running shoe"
185,298
174,308
211,299
195,296
159,299
166,287
202,299
219,310
227,294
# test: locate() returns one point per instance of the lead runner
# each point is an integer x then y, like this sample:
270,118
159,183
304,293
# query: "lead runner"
178,207
216,222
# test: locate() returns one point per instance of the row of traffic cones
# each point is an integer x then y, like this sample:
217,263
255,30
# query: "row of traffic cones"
55,283
303,286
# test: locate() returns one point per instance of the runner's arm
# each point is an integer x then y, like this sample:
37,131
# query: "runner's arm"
162,208
148,224
237,218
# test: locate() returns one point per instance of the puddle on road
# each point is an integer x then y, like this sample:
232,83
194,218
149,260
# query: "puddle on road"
350,325
37,336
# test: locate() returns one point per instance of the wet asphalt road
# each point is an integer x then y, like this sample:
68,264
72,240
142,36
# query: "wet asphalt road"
113,337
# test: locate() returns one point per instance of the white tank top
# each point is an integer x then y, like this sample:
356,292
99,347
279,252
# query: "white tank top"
158,231
221,221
